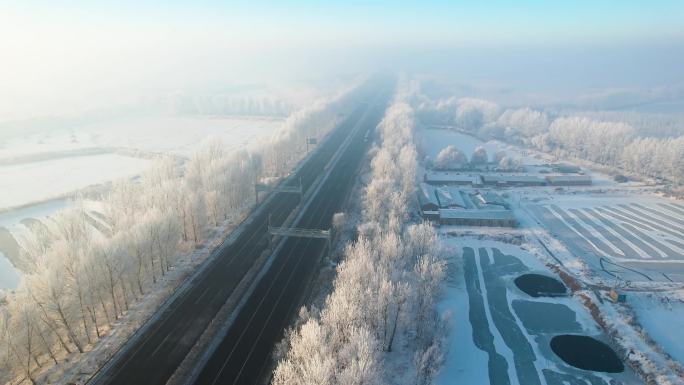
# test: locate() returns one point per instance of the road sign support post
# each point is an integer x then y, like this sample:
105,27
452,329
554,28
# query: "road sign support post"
310,141
283,189
301,233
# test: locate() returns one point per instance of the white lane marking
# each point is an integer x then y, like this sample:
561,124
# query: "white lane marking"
202,295
154,353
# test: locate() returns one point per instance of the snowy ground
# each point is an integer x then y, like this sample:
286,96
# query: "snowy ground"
156,134
635,237
433,140
496,328
41,181
41,165
38,166
662,316
603,235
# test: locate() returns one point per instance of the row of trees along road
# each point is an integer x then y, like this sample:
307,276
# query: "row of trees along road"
84,271
386,287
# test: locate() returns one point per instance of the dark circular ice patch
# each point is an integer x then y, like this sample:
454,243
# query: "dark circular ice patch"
586,353
537,285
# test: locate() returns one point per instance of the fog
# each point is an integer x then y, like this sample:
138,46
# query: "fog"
150,149
71,58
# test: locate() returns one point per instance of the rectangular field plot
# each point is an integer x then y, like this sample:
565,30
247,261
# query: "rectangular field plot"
499,336
642,239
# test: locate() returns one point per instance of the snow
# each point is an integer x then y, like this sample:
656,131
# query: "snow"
663,319
465,361
658,314
11,220
40,181
157,134
9,276
40,166
499,343
47,163
434,140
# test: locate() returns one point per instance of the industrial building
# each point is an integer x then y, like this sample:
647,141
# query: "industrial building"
450,206
452,178
567,168
493,218
569,180
427,199
450,198
513,180
491,199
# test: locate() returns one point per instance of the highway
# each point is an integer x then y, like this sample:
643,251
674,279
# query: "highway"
243,355
164,342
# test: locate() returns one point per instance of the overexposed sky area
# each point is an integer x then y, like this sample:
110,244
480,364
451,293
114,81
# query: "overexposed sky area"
62,57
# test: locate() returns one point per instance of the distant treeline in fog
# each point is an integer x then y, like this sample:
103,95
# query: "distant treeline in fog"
629,141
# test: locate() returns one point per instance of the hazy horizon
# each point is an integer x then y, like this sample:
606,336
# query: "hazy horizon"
71,57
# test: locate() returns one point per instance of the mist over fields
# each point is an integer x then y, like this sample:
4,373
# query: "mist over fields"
341,193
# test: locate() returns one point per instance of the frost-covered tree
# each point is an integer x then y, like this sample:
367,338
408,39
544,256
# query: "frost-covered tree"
523,122
386,283
479,156
82,272
450,158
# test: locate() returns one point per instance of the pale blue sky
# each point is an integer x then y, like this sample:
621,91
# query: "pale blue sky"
60,54
454,22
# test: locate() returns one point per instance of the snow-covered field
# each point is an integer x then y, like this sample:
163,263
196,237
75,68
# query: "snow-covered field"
39,166
606,234
496,328
74,162
12,221
40,181
155,134
662,317
433,140
633,237
9,276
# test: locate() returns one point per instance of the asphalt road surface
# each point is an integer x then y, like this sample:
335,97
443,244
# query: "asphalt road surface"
153,358
243,356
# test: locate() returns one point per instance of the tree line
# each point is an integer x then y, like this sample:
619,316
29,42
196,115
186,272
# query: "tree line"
78,281
386,287
615,143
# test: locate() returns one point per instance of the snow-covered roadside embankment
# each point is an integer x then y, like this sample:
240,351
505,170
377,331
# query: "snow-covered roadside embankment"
81,285
379,325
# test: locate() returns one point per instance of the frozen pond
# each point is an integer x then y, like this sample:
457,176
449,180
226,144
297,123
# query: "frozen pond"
25,183
586,353
538,285
9,276
433,140
499,336
11,221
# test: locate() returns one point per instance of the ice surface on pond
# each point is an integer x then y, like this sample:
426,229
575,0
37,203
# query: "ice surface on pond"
498,336
9,276
37,181
434,140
